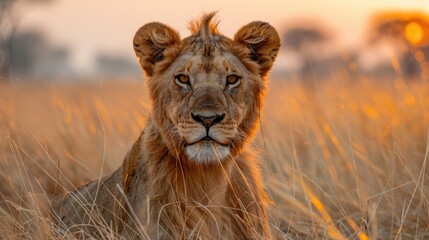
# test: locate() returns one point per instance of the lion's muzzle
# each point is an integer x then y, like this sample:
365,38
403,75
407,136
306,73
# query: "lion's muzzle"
208,121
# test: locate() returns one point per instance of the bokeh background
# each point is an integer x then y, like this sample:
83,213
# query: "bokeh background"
71,40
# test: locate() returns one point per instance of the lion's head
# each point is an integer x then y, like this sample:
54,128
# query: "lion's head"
206,89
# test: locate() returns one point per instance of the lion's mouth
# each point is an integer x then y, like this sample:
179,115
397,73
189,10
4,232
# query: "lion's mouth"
206,140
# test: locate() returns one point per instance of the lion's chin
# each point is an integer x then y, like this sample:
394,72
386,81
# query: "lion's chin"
207,152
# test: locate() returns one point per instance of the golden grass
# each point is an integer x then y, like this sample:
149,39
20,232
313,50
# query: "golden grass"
342,160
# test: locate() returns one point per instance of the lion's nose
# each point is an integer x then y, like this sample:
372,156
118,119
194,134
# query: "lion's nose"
208,121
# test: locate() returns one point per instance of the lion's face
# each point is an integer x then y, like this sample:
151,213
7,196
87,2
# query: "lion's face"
206,89
208,103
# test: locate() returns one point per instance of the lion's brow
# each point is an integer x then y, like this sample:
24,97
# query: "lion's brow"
225,64
189,66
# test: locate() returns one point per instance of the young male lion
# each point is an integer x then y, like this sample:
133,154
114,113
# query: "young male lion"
189,175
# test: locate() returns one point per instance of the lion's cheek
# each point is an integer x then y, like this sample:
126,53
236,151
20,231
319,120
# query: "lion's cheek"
241,112
172,113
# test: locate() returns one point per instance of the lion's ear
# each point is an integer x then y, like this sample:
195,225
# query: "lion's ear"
150,43
262,40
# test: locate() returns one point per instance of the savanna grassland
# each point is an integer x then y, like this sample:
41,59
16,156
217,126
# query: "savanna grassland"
343,159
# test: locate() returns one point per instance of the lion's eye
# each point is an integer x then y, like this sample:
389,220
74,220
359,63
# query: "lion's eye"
232,79
182,78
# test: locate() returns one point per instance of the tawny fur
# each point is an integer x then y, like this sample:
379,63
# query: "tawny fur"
160,192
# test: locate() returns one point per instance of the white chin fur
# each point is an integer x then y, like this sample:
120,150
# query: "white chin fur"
207,152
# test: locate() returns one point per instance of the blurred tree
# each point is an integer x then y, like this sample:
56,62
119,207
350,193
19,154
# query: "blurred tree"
33,55
299,38
408,32
9,19
307,41
110,65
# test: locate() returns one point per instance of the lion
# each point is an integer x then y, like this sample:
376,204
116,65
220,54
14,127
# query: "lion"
190,174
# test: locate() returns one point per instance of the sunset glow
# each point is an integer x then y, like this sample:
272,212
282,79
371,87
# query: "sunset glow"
414,33
93,26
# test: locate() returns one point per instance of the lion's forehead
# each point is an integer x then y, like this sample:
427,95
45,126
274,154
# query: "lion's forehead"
223,62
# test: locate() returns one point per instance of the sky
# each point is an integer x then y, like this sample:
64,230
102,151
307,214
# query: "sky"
89,27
